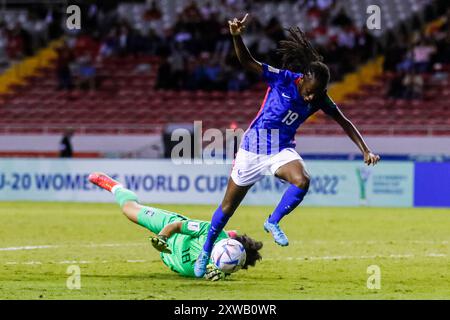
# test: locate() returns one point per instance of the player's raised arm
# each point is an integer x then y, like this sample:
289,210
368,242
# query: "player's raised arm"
369,157
242,52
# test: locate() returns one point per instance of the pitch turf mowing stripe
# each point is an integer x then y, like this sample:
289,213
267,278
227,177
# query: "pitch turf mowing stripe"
392,256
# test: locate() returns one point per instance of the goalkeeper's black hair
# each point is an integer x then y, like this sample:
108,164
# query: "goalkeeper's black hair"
252,248
298,55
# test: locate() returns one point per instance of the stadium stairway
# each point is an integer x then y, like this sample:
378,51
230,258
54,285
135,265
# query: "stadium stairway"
17,75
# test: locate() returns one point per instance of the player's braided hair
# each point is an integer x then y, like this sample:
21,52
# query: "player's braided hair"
298,55
252,248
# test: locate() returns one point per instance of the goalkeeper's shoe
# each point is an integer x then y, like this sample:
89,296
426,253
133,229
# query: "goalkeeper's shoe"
201,263
103,181
277,234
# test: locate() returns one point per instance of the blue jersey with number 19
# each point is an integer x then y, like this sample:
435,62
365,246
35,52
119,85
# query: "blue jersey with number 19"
282,112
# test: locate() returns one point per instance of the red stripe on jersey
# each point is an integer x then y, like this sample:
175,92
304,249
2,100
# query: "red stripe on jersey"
259,112
262,106
297,81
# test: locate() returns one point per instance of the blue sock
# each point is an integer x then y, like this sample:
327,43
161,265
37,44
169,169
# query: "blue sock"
218,222
290,200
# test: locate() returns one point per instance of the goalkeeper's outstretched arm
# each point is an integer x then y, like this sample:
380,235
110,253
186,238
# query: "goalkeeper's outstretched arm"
160,241
171,229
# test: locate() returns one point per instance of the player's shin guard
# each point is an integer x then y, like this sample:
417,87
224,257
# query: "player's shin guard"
123,195
218,222
290,200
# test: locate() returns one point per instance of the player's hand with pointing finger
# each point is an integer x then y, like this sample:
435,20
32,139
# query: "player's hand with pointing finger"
237,26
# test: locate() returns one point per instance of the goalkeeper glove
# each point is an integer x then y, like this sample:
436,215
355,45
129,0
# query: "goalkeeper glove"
160,244
214,274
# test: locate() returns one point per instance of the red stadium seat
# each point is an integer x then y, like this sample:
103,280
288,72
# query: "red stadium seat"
127,98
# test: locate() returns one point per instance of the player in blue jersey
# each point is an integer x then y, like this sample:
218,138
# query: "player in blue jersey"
295,92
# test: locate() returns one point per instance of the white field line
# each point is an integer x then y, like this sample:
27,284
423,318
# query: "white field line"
305,259
29,248
379,256
370,242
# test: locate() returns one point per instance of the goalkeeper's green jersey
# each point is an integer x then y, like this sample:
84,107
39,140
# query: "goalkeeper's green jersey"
187,245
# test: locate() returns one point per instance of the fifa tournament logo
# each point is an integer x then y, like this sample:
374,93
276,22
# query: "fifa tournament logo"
363,175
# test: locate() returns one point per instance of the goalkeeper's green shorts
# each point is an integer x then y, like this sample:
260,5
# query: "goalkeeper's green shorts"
155,219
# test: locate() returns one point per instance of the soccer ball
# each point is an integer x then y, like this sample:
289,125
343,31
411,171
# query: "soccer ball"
228,255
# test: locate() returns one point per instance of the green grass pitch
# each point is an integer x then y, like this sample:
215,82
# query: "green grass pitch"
330,252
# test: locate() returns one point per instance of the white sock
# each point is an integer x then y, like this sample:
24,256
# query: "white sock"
115,188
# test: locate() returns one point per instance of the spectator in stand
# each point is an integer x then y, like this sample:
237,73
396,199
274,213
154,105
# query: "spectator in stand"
53,21
413,84
223,44
397,88
16,43
153,12
440,76
109,45
422,56
208,10
64,59
237,81
365,44
274,30
192,13
191,68
347,38
4,59
177,62
406,64
36,30
153,43
91,20
342,19
213,73
199,77
163,80
86,73
395,53
264,46
124,40
86,45
443,46
209,34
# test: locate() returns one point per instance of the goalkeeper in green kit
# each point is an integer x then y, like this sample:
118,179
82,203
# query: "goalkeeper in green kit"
178,238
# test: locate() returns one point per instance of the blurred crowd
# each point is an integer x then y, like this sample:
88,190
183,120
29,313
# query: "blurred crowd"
201,54
27,32
343,45
197,52
420,58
